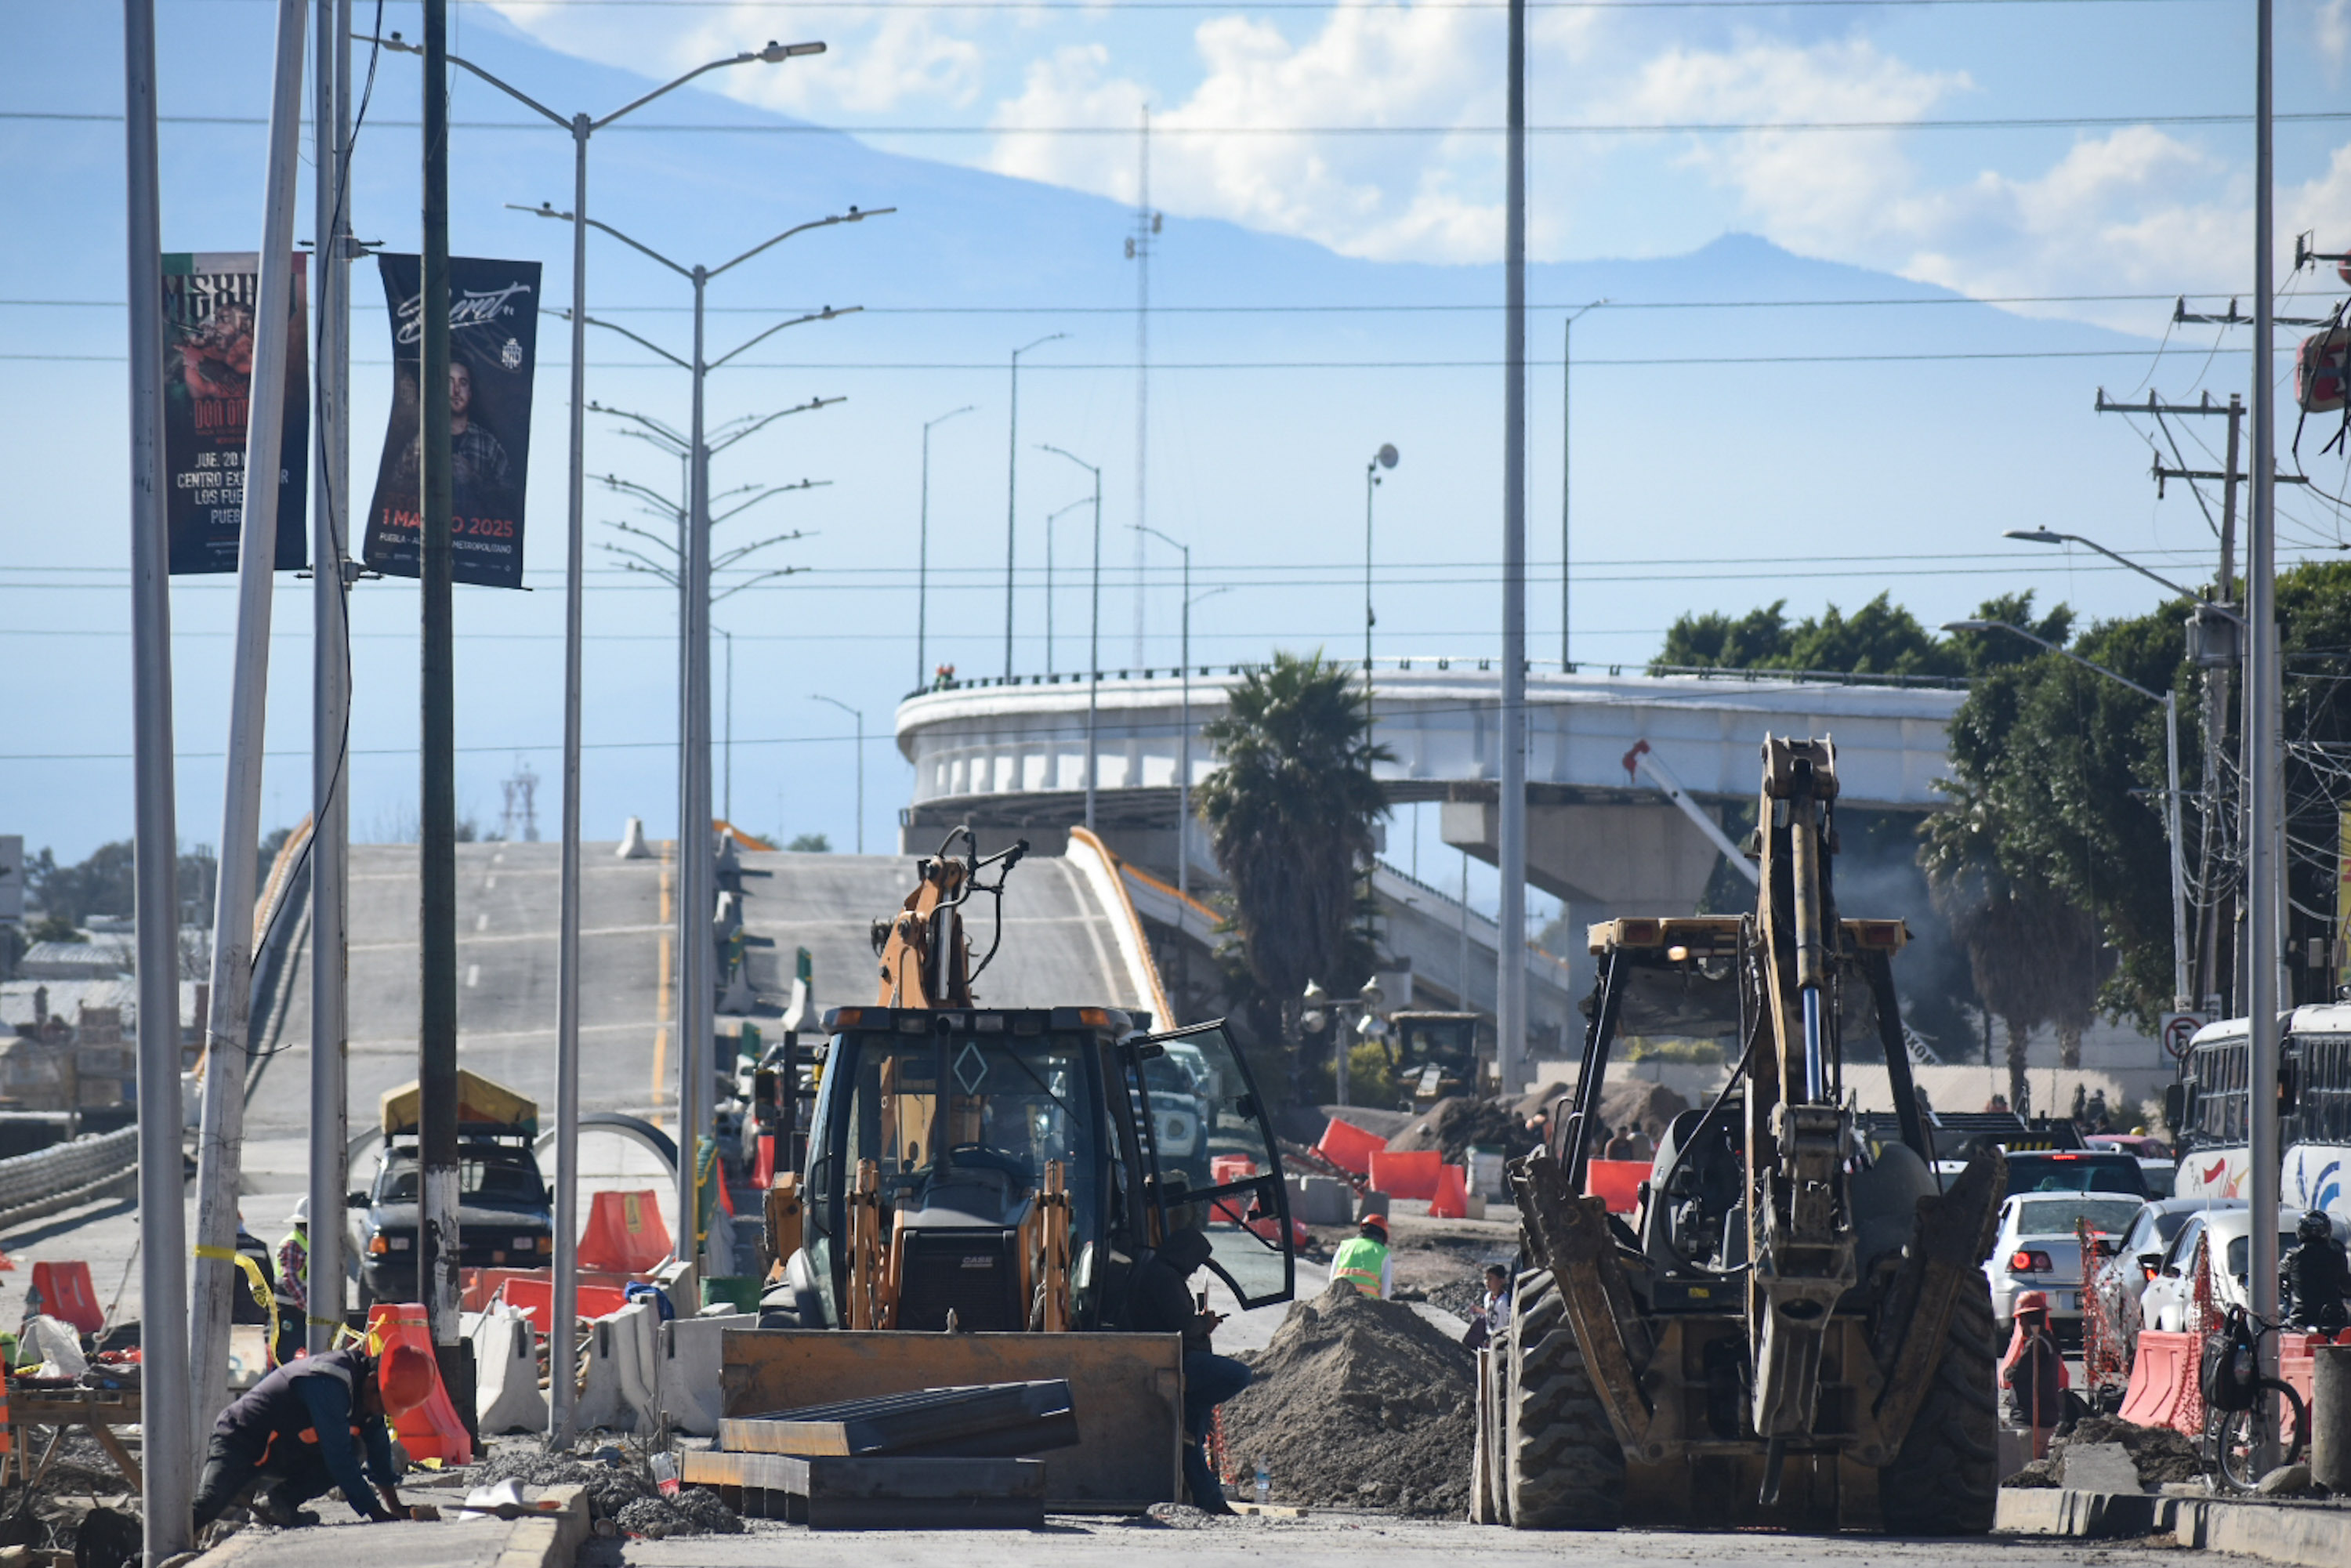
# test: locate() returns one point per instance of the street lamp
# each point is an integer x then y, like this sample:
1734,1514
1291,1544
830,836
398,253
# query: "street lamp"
698,891
2181,998
1566,430
1183,762
1322,1011
2051,537
923,559
567,1027
1012,498
859,715
1385,457
1051,518
1093,634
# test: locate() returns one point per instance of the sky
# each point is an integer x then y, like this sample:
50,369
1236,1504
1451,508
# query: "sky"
1831,361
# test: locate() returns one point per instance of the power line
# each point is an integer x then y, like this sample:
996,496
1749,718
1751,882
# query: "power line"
1099,7
1680,128
374,308
1060,365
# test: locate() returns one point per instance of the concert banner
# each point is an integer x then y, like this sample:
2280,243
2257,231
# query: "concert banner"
493,349
209,299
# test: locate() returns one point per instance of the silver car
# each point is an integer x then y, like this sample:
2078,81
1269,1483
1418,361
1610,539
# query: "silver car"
2038,1247
2120,1280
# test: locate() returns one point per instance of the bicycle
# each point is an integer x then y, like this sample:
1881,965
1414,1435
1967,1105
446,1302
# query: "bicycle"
2236,1406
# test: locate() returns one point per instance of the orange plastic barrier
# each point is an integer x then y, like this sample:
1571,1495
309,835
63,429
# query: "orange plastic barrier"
2163,1390
478,1287
2298,1359
1406,1173
1618,1181
763,1168
1452,1199
67,1293
432,1430
1349,1147
1223,1169
624,1232
533,1296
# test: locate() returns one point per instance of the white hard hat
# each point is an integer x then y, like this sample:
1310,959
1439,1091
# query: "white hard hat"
301,1215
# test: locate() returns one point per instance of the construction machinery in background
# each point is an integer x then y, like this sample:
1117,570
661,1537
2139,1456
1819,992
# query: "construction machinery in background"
1794,1329
1000,1169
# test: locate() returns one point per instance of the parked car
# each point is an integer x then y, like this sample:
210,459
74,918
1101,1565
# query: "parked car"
2159,1175
2168,1302
2121,1278
2140,1144
2076,1170
2038,1247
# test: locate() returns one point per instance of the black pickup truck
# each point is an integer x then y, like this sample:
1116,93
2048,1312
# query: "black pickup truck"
505,1216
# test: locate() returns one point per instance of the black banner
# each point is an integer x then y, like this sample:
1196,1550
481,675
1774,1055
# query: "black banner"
493,348
208,310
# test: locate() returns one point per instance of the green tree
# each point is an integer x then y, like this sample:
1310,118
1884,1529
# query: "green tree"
811,844
1881,638
1291,810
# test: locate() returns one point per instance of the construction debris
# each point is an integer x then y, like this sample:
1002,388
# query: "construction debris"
2162,1455
692,1511
1358,1403
984,1420
1455,1125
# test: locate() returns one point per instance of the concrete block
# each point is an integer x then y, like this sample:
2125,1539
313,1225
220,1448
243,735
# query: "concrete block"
1321,1200
686,1387
2100,1468
507,1396
617,1391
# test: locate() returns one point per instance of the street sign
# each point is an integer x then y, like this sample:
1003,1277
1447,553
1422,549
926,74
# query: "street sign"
2178,1029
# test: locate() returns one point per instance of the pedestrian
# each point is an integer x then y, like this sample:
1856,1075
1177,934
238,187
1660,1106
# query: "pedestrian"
293,1286
1160,1301
2033,1372
1363,1259
1492,1320
305,1428
1620,1145
2317,1275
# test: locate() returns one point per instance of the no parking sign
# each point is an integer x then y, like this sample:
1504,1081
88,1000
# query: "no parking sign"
2178,1029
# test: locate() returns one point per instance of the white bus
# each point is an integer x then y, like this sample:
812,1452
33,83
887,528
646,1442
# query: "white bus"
2212,1101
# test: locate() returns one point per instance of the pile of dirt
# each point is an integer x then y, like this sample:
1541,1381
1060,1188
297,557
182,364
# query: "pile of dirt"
1358,1403
1454,1125
692,1511
2162,1454
1536,1102
612,1488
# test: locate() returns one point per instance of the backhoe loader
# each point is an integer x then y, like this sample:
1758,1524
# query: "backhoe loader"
1793,1327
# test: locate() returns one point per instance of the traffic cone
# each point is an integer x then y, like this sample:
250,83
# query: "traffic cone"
625,1233
1452,1199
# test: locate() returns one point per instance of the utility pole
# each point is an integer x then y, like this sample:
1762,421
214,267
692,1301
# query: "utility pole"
329,685
1385,457
1566,486
436,1033
1012,493
859,714
1138,249
1093,638
167,1454
1510,956
225,1053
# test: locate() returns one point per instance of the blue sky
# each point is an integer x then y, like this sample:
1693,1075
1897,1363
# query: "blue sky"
1736,439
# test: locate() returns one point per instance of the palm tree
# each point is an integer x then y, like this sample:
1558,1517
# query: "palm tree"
1291,813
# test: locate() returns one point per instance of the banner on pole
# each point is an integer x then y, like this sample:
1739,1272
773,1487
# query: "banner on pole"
493,349
208,310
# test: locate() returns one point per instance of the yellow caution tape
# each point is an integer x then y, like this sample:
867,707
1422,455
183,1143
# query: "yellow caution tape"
261,1294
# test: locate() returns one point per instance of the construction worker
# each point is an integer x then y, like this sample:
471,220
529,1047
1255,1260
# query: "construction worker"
2033,1372
293,1287
2317,1275
1160,1301
305,1427
1363,1260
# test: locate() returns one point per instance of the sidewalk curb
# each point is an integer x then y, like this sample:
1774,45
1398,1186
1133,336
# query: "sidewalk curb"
552,1540
2276,1533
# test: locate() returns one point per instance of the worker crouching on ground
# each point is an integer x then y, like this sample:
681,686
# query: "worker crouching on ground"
1363,1259
1162,1303
303,1428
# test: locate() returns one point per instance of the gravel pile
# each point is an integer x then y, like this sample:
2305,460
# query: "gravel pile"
692,1511
1358,1403
2162,1454
611,1488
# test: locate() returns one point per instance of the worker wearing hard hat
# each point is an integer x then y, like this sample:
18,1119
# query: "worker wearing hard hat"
2033,1372
305,1427
293,1287
1363,1259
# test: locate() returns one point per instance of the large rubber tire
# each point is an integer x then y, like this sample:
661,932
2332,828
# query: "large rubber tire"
1561,1462
1946,1481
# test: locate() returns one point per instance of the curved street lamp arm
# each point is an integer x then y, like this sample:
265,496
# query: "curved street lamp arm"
1071,455
548,210
645,534
827,314
731,556
632,337
853,713
631,561
1228,588
772,490
648,420
1154,533
2050,537
759,424
2061,653
645,491
851,216
742,59
754,581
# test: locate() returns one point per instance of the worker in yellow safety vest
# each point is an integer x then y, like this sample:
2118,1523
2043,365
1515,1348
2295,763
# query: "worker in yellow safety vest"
1362,1260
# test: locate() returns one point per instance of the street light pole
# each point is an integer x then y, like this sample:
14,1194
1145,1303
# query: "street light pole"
1510,979
2170,795
727,795
1385,457
859,714
923,560
1093,635
1011,498
1566,431
1183,750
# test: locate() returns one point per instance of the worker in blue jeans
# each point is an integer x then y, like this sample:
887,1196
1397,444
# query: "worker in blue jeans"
1160,1301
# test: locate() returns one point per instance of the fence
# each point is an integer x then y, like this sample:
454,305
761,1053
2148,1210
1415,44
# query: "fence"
69,1176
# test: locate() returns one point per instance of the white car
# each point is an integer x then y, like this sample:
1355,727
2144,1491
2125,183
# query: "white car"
2168,1302
2133,1263
2038,1247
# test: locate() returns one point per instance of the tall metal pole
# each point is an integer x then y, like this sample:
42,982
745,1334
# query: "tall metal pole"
727,793
329,683
2182,994
1183,750
1093,668
436,1042
1142,249
562,1351
1370,488
696,905
923,560
1511,959
232,967
1011,512
168,1454
2265,881
1566,488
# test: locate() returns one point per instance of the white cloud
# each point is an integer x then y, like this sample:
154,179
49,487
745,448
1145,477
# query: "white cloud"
2331,24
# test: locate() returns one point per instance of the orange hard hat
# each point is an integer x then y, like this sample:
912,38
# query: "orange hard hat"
2033,1301
1379,1219
406,1376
